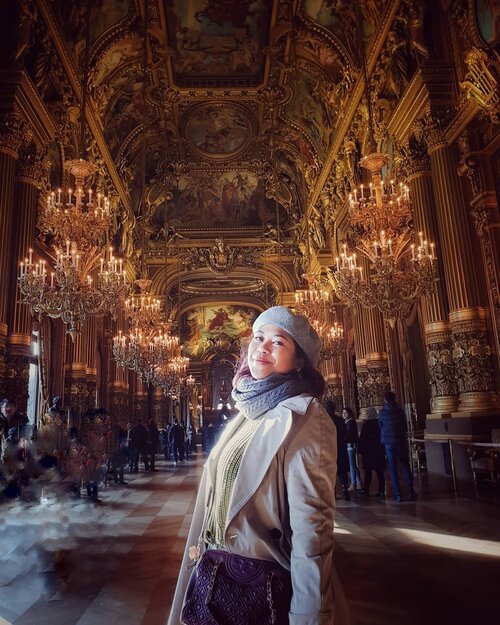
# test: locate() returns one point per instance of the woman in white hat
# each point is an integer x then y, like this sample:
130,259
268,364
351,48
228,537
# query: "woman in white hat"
261,538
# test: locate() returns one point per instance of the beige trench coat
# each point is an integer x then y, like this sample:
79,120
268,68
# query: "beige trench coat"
282,505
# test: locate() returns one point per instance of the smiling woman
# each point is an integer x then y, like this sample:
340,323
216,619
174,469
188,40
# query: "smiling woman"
262,528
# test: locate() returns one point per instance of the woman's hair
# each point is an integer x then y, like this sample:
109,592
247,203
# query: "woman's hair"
307,371
349,411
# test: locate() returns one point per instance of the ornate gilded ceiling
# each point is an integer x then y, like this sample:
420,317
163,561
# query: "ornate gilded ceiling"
214,125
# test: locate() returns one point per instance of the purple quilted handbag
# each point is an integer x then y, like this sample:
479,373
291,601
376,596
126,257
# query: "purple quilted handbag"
227,589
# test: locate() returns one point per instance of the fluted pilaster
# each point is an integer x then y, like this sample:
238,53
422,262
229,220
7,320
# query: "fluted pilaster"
141,402
19,318
455,246
468,329
435,307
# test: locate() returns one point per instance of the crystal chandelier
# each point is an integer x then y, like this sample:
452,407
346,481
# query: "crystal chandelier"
393,270
332,339
143,311
87,279
400,270
144,353
312,302
171,375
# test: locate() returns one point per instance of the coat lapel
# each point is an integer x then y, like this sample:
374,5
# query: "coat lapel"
262,448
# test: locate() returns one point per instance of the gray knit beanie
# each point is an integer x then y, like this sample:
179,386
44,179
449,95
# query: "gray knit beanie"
297,326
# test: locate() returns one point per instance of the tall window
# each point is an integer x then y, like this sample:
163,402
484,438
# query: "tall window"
34,379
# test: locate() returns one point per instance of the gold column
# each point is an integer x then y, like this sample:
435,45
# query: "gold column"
376,358
467,318
141,402
90,347
29,172
10,140
159,406
75,380
119,390
333,380
360,349
442,375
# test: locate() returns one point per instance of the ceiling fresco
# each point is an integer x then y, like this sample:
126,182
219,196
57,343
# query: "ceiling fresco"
226,138
220,40
203,323
220,131
311,112
228,199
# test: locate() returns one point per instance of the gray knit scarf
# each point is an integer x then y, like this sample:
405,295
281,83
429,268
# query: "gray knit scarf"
255,397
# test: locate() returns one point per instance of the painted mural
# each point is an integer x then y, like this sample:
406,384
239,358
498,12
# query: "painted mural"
218,131
73,17
339,17
117,56
218,37
310,111
204,322
488,21
207,200
123,115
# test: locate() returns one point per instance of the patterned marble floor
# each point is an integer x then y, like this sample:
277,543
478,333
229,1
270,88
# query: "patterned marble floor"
71,562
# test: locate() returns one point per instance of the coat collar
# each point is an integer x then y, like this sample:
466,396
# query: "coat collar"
262,448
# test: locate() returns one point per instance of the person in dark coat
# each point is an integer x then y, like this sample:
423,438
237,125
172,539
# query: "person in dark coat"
177,437
342,457
139,441
153,443
393,435
118,462
352,439
372,452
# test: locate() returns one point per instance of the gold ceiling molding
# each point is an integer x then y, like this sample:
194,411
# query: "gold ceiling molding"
376,45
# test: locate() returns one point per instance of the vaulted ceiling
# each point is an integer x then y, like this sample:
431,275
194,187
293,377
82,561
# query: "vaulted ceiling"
216,122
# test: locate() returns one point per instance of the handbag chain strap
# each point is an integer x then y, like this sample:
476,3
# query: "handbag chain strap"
211,585
269,587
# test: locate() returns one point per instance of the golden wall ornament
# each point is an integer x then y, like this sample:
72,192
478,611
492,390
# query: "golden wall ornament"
442,373
481,84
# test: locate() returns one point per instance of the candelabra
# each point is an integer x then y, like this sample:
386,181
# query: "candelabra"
332,340
143,310
400,271
145,353
171,375
312,302
87,278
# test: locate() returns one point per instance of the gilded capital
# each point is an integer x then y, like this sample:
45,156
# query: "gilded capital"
11,134
415,159
31,166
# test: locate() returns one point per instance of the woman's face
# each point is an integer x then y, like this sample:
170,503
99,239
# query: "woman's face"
345,414
271,350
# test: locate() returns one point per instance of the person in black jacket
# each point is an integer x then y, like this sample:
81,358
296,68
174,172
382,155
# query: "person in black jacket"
372,452
393,435
153,443
139,441
342,457
352,439
177,437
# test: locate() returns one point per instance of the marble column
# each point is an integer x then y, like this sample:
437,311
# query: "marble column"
29,172
471,350
10,141
435,310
